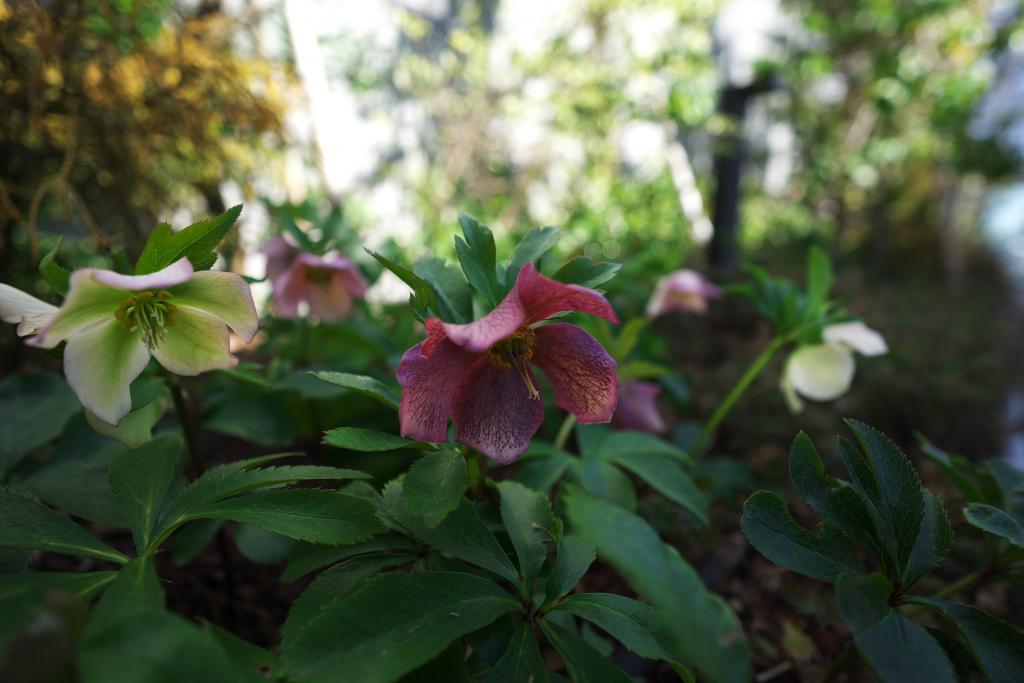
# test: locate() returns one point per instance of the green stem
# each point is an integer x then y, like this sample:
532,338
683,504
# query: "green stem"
187,426
475,465
738,389
565,430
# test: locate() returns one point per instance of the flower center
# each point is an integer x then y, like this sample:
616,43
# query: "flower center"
318,275
514,352
149,311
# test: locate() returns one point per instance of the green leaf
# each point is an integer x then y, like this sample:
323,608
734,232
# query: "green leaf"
770,528
522,660
374,388
35,408
641,369
632,623
29,524
461,534
368,440
997,646
527,518
995,521
620,444
956,469
434,485
261,546
629,335
136,590
423,299
307,557
704,631
897,649
542,473
140,479
477,257
583,271
819,276
154,647
534,244
582,661
314,515
56,275
900,503
667,478
83,584
198,242
454,299
252,661
190,540
392,625
575,555
932,543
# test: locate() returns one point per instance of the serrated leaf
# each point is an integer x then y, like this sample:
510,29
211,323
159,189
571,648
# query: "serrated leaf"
583,271
704,631
369,440
632,623
574,557
995,521
932,542
56,275
997,646
477,256
527,518
198,242
307,557
582,661
454,298
770,528
423,299
667,478
24,401
374,388
136,590
434,485
29,524
956,469
522,660
534,244
392,625
139,480
897,649
314,515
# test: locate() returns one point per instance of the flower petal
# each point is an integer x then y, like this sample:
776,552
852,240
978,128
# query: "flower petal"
174,274
494,414
481,334
226,296
429,385
682,290
858,337
637,407
280,253
329,300
289,291
580,370
89,302
27,312
542,297
136,428
100,364
344,269
196,342
822,372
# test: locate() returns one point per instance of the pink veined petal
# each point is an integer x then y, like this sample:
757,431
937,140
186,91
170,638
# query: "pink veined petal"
580,371
328,300
481,334
289,290
541,297
430,384
174,274
226,296
494,414
638,407
100,365
24,310
196,342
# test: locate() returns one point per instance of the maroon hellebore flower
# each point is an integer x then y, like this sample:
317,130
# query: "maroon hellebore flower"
638,407
327,284
480,375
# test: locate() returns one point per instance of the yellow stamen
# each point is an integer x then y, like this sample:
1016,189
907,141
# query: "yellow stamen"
514,352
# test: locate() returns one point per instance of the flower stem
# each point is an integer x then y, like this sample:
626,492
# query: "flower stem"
738,389
565,430
475,464
187,426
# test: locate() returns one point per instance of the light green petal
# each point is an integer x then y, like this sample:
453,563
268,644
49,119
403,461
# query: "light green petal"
88,303
223,295
196,342
137,426
793,401
858,337
24,310
100,364
822,372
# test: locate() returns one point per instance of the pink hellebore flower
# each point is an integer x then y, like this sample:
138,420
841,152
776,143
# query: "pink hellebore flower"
480,375
327,284
638,407
113,323
682,290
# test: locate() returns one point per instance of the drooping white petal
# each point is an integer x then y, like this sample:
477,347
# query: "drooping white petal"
225,296
24,310
100,364
858,337
196,342
822,372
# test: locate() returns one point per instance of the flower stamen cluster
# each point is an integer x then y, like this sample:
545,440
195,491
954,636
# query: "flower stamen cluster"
514,352
149,312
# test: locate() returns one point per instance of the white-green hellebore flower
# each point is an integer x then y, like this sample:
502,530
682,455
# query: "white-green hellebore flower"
113,323
823,372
